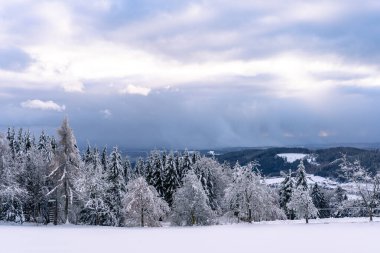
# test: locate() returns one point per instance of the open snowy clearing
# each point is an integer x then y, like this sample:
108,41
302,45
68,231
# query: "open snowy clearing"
324,235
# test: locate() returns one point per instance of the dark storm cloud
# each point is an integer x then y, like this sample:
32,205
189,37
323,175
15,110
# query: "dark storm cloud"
190,118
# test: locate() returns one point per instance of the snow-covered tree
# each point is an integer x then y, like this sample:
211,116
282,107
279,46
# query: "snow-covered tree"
92,186
157,173
301,179
367,184
142,204
302,203
213,179
190,203
116,188
36,167
104,159
319,201
12,194
127,170
338,202
139,169
64,169
171,179
249,199
285,192
184,164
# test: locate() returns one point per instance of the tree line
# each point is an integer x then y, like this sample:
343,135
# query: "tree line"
46,180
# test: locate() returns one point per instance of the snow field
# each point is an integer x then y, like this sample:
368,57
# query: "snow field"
324,235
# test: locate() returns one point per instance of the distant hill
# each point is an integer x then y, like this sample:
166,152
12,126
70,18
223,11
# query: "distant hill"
322,162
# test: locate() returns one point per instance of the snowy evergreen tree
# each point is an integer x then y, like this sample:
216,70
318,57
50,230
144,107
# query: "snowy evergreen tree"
42,141
11,141
139,169
301,179
142,204
116,189
157,174
249,199
127,170
184,164
64,169
28,141
319,201
87,156
196,156
104,159
285,192
172,180
190,203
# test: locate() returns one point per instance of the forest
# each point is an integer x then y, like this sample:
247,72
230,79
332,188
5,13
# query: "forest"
48,180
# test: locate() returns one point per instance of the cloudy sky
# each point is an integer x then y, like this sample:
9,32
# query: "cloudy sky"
196,74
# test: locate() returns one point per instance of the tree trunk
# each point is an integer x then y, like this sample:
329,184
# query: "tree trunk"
250,215
142,217
370,214
192,219
66,202
56,209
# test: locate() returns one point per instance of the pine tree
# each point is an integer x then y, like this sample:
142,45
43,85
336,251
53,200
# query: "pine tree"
116,189
139,169
319,201
301,179
127,170
172,181
185,164
87,157
42,141
157,179
285,192
104,159
28,141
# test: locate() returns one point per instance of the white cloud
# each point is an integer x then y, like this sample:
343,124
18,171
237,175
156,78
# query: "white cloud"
106,113
73,86
43,105
323,134
137,90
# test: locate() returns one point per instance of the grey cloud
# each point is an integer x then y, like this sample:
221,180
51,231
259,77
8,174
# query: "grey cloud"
193,118
14,59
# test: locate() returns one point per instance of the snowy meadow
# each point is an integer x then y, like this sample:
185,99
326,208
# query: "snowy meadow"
344,235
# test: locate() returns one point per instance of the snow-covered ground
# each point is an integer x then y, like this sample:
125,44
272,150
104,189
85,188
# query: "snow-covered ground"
322,181
292,157
324,235
311,179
